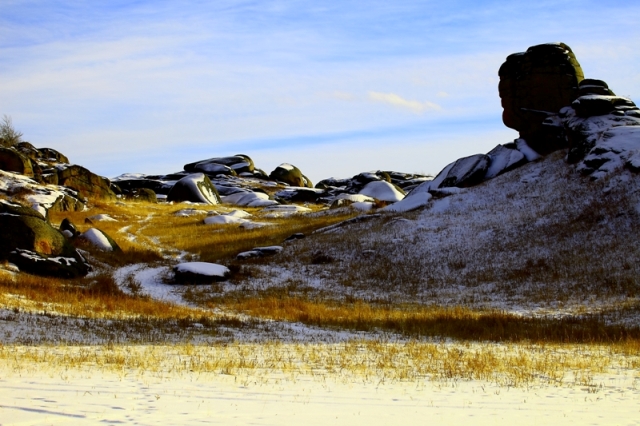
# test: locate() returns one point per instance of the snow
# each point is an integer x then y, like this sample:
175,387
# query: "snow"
77,396
528,152
195,182
356,198
410,202
97,238
203,268
383,191
189,212
286,166
362,206
224,219
248,199
102,217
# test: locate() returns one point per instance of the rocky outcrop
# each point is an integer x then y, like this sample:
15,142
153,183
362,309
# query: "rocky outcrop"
36,247
291,175
13,161
535,85
87,184
195,188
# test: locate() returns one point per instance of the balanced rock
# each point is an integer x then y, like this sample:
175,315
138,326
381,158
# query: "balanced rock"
195,188
534,85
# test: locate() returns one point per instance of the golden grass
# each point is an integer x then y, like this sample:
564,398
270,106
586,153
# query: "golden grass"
369,361
143,230
459,322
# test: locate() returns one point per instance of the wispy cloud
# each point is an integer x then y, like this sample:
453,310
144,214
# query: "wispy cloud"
400,102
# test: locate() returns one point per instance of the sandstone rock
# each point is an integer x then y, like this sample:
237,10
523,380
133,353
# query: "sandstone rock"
13,161
592,105
590,86
86,183
291,175
195,188
145,195
533,84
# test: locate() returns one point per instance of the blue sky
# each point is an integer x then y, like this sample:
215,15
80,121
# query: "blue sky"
334,87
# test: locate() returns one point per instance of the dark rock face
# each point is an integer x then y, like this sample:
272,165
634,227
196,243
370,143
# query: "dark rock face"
290,175
503,159
35,246
196,188
535,84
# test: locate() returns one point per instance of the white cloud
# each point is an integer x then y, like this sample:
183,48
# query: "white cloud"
398,101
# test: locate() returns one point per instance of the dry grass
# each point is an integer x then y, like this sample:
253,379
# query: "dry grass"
369,361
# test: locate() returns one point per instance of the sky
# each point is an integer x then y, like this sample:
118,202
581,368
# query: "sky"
333,87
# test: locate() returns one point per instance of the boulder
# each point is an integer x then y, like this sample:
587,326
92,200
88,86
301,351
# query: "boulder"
35,246
200,273
100,240
68,228
465,172
195,188
232,165
591,105
535,84
590,86
86,183
290,175
383,191
13,161
504,159
145,195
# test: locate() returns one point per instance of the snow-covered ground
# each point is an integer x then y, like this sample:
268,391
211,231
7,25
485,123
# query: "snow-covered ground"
42,396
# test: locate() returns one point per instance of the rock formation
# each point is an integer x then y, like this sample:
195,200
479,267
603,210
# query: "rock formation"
534,85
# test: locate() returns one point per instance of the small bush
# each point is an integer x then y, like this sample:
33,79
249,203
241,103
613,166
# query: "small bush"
8,135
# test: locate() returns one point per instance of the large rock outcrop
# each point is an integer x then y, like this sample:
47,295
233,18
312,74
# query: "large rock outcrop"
233,165
535,85
195,188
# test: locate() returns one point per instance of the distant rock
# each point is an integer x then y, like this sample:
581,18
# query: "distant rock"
465,172
290,175
259,252
195,188
144,195
248,199
233,165
535,84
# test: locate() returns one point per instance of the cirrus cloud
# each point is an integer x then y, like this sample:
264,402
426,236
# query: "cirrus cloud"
400,102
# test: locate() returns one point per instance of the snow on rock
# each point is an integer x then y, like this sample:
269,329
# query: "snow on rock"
527,151
383,191
412,201
99,239
249,199
200,272
356,198
260,252
362,206
196,188
239,213
503,159
285,210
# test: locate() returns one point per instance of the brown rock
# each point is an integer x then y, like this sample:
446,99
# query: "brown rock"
13,161
87,184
